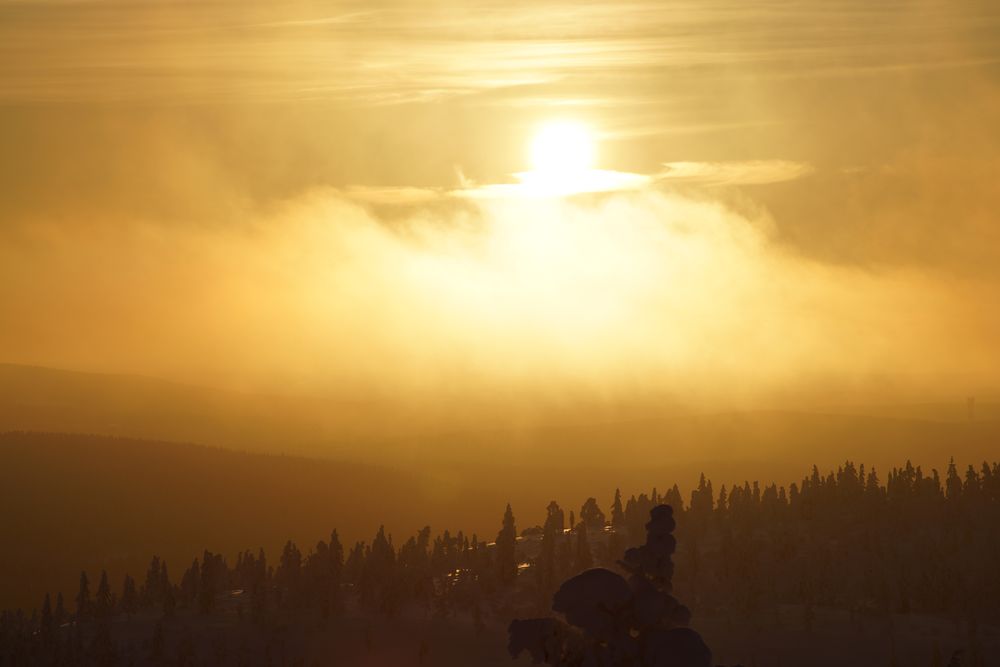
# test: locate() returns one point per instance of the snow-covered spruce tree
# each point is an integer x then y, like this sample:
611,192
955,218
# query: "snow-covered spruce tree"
611,621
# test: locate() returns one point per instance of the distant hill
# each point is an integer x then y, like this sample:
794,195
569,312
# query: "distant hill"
770,445
68,501
957,411
558,436
33,398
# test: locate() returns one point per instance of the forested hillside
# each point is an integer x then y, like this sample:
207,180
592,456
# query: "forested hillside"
837,553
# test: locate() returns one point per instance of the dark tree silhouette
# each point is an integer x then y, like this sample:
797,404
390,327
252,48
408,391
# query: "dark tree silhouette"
505,548
591,515
102,599
191,579
60,613
377,589
167,595
47,623
289,570
555,517
83,602
545,564
617,511
130,596
151,588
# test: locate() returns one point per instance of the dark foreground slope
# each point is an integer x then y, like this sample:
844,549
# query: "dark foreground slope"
417,637
836,569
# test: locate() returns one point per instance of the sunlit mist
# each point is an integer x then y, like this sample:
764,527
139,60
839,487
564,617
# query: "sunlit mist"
406,202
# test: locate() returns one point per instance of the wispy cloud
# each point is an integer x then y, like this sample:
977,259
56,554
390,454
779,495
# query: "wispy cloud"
393,195
389,52
533,185
750,172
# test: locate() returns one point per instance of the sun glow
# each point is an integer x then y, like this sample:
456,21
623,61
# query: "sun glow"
562,162
562,148
562,156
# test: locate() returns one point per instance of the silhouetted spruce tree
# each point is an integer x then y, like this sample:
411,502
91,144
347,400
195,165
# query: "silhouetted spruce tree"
377,585
336,556
355,564
191,580
315,577
416,566
288,574
210,584
60,613
592,516
702,503
722,507
262,571
83,602
102,600
320,577
506,546
47,624
336,573
617,511
556,517
674,499
151,587
168,598
545,564
953,483
130,596
634,520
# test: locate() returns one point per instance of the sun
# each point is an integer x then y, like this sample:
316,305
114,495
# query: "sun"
561,149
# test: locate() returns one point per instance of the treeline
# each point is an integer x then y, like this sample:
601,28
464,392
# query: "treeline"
447,573
847,539
913,543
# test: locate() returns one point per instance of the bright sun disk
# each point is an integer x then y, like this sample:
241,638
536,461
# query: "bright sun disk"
562,148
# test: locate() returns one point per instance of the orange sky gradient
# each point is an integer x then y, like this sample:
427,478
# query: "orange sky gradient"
787,201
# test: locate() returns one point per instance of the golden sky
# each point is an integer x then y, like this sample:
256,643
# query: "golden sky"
338,196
